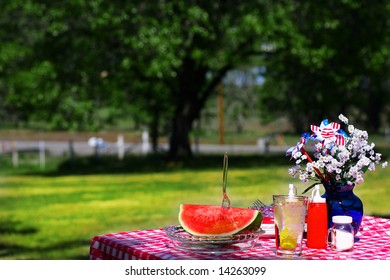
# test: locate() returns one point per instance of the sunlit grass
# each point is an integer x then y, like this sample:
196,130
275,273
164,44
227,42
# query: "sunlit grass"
55,217
46,217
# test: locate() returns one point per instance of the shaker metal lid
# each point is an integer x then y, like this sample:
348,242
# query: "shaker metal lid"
342,219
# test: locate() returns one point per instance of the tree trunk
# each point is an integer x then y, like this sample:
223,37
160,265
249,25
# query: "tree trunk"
192,92
179,142
373,108
154,126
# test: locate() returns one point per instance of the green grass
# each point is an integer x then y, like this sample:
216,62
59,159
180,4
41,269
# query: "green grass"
54,214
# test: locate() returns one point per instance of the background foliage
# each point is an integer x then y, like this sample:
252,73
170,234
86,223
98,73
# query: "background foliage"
86,64
333,57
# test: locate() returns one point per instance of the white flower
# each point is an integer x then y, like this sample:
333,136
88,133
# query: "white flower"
293,171
309,167
359,179
303,177
297,155
343,118
338,163
318,146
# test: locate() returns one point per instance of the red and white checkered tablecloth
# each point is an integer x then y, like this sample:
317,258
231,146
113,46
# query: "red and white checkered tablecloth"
373,244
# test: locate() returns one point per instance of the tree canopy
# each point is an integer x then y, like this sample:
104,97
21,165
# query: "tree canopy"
333,58
86,63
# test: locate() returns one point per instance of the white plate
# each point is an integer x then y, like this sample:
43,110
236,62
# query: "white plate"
269,230
182,240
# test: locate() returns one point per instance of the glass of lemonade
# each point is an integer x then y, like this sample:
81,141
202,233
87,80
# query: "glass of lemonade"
289,216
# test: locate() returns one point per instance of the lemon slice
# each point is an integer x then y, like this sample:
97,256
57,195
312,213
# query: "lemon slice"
288,240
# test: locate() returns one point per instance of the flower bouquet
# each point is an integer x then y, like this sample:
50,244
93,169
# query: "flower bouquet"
338,162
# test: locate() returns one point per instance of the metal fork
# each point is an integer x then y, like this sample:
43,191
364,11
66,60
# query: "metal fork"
225,198
258,205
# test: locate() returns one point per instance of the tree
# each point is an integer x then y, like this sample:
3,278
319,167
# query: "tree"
165,57
90,62
55,64
329,57
240,87
189,46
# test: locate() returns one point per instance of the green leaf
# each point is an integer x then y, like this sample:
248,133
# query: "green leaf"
309,188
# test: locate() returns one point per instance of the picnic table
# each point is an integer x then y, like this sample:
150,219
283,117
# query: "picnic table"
372,243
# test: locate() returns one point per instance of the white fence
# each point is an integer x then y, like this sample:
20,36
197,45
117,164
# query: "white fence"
99,147
94,146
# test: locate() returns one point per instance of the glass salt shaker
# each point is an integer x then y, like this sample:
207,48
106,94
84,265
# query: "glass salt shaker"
341,234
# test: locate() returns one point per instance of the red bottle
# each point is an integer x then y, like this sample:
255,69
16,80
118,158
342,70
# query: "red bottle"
317,221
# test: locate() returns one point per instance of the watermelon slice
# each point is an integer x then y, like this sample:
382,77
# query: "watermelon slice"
212,220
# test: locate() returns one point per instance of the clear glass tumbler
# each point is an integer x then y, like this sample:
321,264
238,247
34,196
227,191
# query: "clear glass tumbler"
289,216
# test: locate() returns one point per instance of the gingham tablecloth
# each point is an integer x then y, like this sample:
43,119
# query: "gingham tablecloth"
373,244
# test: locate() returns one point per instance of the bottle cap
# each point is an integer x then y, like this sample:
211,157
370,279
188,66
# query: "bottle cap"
315,195
292,190
342,219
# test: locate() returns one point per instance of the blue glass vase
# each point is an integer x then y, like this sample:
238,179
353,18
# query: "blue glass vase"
341,200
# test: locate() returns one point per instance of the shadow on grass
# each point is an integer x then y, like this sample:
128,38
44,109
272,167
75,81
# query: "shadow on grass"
11,227
159,163
108,164
386,216
12,252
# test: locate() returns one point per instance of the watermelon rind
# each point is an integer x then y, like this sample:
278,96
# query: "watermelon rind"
212,220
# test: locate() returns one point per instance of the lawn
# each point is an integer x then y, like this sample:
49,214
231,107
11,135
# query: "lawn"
53,214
